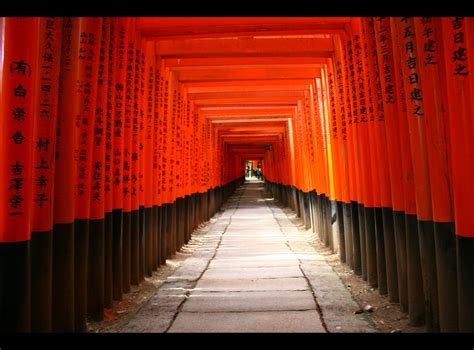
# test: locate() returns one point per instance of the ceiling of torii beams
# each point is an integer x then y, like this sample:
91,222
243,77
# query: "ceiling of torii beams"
246,75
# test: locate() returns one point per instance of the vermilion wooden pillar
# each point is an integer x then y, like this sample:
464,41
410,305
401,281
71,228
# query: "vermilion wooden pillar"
63,314
96,254
121,38
45,120
19,71
458,34
414,274
85,95
390,110
109,167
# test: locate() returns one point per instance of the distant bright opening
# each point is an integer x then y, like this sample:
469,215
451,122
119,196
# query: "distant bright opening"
253,170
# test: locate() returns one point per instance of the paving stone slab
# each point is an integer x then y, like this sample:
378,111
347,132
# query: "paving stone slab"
297,283
249,301
249,322
252,272
157,322
238,263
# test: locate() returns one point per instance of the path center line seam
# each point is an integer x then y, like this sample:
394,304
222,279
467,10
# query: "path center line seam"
180,306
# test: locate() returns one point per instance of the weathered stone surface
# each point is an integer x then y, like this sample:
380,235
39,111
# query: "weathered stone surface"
249,301
252,270
256,284
276,321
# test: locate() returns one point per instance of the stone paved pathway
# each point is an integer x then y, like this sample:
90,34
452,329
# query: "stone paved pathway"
252,272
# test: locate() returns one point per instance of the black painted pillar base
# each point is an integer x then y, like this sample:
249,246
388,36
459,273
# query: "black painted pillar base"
281,192
340,227
117,262
380,250
199,209
209,204
356,237
416,302
212,202
164,233
156,238
291,198
218,199
15,287
95,270
284,195
322,231
202,200
126,250
81,249
399,229
63,278
307,212
153,240
148,241
371,250
205,206
196,211
179,223
301,207
171,241
327,222
465,268
428,269
325,210
41,281
174,227
134,247
296,202
141,243
333,225
108,274
322,211
445,247
390,255
314,210
317,216
187,219
341,220
348,234
193,212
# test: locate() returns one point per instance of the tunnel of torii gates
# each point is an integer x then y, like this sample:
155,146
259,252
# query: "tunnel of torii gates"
119,136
